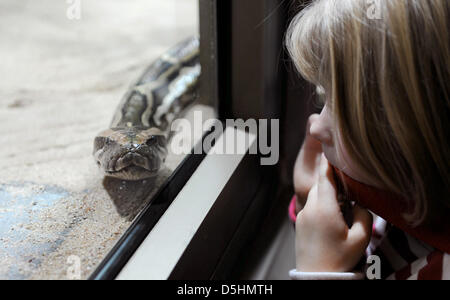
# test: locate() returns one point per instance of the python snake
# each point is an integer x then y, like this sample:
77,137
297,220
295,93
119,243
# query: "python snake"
135,145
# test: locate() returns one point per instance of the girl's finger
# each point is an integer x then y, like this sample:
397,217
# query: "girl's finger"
327,190
361,230
312,196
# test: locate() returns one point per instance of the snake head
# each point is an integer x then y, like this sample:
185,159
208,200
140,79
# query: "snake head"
130,153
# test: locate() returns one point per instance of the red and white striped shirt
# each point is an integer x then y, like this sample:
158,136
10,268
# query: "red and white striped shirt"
404,257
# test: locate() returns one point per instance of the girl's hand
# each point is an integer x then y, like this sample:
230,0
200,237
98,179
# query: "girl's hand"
324,243
306,169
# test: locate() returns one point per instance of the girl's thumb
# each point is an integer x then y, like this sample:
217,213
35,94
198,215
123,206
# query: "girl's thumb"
361,231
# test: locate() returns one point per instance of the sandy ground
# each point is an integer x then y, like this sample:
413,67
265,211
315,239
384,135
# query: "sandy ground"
60,83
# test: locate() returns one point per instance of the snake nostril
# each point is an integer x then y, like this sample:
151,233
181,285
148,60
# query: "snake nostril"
133,147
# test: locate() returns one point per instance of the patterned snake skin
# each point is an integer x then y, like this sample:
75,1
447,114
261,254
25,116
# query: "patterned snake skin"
135,145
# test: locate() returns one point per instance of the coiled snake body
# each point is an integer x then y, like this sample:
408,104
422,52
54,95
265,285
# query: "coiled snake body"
135,145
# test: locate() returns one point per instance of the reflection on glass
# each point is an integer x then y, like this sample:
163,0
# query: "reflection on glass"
65,68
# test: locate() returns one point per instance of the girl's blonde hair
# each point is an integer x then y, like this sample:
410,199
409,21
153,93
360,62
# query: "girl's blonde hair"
385,68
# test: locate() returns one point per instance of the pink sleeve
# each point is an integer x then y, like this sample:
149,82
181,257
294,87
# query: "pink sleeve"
291,210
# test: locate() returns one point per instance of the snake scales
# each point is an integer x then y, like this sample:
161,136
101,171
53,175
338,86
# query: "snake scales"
135,145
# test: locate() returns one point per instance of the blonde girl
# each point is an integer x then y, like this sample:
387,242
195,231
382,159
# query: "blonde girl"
382,68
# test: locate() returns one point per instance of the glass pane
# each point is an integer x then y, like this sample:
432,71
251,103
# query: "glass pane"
65,67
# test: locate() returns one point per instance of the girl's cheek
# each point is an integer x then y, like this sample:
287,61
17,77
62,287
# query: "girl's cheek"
322,129
332,156
339,157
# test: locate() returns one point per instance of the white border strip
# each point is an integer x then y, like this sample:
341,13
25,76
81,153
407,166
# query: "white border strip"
162,248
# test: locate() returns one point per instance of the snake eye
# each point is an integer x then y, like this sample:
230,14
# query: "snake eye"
151,141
